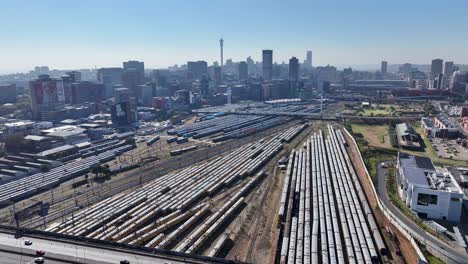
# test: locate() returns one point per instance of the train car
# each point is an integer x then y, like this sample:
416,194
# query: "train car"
152,140
176,152
170,140
181,140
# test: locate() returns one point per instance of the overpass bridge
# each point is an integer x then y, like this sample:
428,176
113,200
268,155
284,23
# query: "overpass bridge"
70,249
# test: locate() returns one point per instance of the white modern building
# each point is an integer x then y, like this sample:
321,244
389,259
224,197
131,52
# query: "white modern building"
428,192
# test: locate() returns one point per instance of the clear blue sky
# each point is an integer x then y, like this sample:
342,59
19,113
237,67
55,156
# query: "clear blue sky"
86,33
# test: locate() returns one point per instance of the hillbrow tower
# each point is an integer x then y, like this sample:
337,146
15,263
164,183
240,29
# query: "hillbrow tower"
221,44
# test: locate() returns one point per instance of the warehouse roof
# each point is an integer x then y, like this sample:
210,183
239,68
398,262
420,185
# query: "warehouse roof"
56,150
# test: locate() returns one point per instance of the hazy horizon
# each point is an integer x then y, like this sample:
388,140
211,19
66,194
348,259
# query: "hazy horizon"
89,34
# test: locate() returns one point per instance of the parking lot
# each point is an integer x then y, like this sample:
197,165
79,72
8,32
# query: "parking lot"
449,149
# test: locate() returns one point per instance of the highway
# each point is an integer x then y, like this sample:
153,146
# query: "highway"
428,238
14,251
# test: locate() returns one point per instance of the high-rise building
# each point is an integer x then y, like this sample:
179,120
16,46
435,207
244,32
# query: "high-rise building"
115,75
197,69
138,65
217,75
243,71
308,62
448,72
437,67
46,94
221,46
82,92
75,76
133,75
405,69
123,111
7,93
293,69
383,67
267,64
204,87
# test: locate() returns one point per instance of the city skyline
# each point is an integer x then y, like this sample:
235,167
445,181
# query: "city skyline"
89,34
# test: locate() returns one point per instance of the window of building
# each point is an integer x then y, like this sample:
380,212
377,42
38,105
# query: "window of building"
454,199
426,199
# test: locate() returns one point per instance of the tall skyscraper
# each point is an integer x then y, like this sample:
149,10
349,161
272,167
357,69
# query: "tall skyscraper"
243,71
293,69
114,73
133,75
221,45
308,62
448,72
123,111
217,75
267,64
46,94
197,69
383,67
437,67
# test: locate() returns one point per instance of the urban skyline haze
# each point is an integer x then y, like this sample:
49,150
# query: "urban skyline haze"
88,34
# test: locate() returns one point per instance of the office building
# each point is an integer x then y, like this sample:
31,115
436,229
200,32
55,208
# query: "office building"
243,71
147,92
383,67
75,76
133,75
123,111
267,64
47,94
197,69
114,75
405,69
221,46
7,93
293,69
83,92
437,66
448,72
204,87
217,75
308,62
428,192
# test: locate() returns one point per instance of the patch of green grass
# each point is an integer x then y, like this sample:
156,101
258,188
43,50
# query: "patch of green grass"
434,260
430,258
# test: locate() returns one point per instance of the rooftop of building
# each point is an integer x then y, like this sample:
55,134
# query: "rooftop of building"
427,121
56,150
19,123
420,171
35,138
404,129
446,120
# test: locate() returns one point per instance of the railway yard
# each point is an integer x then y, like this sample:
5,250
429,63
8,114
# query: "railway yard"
324,214
250,188
181,211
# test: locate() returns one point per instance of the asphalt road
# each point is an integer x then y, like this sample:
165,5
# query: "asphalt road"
445,248
14,251
16,258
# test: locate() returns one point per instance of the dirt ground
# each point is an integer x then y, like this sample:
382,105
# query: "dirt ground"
407,250
377,135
